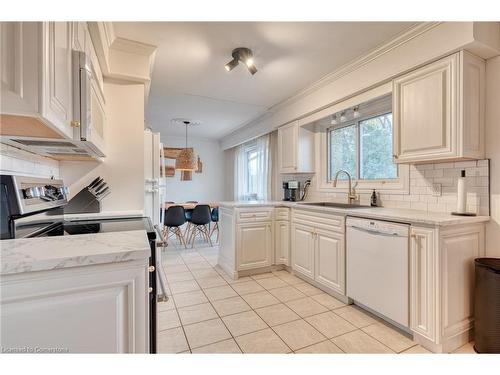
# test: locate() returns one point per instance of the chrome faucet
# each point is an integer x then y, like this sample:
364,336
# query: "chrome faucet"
351,194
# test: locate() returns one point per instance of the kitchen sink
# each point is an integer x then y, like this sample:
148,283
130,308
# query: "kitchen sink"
335,205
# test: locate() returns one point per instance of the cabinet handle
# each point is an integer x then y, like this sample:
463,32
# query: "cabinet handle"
75,124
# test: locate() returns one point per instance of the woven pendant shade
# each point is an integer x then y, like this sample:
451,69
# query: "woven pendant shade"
185,160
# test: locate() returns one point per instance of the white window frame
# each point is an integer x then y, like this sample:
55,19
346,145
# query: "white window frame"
399,185
357,124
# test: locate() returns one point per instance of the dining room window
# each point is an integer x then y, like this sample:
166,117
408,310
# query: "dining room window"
251,170
362,147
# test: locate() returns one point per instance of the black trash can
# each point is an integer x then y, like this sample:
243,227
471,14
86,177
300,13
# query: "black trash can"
487,306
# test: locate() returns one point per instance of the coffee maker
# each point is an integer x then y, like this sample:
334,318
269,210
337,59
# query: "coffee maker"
291,191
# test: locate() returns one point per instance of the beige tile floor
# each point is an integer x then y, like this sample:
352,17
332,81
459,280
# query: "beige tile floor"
275,312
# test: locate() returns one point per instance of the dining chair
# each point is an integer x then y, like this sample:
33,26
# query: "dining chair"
199,223
175,217
215,220
189,214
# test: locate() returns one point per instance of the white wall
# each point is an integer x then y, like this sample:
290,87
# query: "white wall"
493,152
204,187
123,166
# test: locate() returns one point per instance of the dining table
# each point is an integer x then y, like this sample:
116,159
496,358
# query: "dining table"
190,206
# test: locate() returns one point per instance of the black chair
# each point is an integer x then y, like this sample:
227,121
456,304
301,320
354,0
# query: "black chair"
199,223
175,217
215,220
189,214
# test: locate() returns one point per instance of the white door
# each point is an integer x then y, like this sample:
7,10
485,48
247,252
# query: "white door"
18,68
287,147
425,112
282,242
57,72
303,250
329,267
254,245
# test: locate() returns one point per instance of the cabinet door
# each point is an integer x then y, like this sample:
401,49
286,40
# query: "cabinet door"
425,112
329,268
287,147
254,245
423,282
71,307
282,242
19,68
79,36
57,75
303,250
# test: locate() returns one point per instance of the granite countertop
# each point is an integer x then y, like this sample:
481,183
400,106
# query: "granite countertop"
381,213
48,253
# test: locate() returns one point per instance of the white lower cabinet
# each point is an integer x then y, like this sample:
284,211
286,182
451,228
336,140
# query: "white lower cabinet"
318,251
303,250
442,284
88,309
282,242
254,244
329,260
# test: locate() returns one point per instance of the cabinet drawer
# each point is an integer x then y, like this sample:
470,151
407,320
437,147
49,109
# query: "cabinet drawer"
246,215
320,220
282,213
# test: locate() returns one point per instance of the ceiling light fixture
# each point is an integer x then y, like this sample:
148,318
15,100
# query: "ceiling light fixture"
245,55
185,161
334,120
343,117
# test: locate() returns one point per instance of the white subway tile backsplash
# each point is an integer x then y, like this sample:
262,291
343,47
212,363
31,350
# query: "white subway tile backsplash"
434,173
465,164
425,194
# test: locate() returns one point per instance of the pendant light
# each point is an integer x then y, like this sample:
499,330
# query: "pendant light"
185,161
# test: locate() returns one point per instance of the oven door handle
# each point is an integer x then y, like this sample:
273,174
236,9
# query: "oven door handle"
161,295
377,232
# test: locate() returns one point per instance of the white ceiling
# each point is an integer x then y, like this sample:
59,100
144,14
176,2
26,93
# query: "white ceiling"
189,79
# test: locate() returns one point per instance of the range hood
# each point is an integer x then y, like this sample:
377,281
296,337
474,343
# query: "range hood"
53,148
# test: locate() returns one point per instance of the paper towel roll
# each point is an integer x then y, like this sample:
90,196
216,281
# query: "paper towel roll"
461,194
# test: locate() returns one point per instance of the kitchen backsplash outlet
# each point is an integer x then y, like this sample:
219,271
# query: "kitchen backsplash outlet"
433,188
20,162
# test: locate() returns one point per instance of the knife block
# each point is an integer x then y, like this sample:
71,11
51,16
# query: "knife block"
83,202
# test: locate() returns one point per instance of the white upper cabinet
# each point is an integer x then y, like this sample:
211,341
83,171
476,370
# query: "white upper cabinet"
19,76
57,87
438,111
295,149
36,73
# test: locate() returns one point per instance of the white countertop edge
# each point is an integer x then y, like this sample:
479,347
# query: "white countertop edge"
381,213
49,253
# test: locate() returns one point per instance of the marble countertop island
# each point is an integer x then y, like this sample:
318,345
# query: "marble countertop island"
380,213
47,253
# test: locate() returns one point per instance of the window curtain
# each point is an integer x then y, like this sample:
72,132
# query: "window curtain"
252,170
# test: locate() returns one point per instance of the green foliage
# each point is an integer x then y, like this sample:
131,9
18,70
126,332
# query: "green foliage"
375,154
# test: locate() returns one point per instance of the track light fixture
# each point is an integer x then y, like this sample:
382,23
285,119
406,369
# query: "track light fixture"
245,55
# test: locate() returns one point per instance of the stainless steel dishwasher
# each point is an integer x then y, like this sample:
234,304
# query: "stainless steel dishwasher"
377,267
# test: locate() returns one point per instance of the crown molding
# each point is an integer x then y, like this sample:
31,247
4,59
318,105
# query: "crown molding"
400,39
